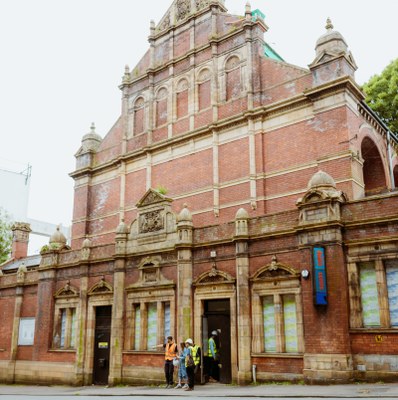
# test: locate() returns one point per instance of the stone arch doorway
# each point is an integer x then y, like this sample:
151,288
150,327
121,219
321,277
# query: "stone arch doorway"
374,176
215,308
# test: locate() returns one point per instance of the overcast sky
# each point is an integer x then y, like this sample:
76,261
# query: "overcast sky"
62,62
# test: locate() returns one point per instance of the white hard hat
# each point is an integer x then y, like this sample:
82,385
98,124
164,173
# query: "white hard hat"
190,341
215,333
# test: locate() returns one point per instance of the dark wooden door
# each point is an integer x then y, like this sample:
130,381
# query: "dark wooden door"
217,314
102,343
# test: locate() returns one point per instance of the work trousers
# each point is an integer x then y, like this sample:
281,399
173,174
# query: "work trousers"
169,371
191,377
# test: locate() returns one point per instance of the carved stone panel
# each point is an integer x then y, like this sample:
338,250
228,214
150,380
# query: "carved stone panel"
183,9
151,222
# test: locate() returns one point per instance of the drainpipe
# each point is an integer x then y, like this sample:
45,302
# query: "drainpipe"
254,367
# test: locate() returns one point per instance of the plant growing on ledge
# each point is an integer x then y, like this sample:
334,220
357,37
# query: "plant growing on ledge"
161,189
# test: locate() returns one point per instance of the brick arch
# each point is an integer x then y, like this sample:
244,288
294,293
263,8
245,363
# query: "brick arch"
204,89
161,106
233,84
139,115
182,97
374,175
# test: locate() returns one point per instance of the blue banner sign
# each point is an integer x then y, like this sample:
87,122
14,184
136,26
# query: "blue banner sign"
320,284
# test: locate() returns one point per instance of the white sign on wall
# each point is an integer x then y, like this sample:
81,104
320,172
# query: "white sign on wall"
26,332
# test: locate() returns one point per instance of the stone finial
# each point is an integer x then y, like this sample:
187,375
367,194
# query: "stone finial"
242,214
58,239
91,141
329,26
152,27
122,228
241,223
22,270
185,215
248,10
321,180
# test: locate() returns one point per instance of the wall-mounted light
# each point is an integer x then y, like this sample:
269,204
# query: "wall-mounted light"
305,274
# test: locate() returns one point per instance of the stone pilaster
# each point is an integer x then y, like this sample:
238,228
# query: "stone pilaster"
82,324
15,334
243,297
117,329
184,270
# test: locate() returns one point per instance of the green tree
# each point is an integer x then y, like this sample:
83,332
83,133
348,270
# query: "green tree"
5,236
382,95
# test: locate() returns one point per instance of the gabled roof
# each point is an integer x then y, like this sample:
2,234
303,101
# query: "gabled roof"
180,10
13,265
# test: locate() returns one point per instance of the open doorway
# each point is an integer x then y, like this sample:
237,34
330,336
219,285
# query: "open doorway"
103,320
217,317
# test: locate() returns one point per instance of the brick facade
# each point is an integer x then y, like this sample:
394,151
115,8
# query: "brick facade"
208,198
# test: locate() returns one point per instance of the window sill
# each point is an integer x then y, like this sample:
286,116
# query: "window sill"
374,330
145,352
62,351
2,350
277,355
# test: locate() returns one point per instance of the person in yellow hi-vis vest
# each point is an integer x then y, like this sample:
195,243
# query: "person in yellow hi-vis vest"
214,357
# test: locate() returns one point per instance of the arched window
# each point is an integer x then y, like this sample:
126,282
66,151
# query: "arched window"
232,78
161,107
182,98
373,170
139,115
204,89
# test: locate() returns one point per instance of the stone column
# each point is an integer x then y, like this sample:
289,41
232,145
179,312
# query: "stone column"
117,329
185,316
243,297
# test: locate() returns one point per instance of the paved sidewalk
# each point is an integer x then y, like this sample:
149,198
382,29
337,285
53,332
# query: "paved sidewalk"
215,390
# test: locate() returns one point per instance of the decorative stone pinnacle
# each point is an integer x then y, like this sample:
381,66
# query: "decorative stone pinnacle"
126,69
92,127
248,8
152,25
329,26
185,205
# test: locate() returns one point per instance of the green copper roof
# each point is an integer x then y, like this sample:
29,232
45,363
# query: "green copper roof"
271,53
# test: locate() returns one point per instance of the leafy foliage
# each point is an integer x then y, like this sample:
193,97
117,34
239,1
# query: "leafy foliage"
382,95
5,236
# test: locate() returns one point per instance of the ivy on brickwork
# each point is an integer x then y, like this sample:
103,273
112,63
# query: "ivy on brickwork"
5,236
382,95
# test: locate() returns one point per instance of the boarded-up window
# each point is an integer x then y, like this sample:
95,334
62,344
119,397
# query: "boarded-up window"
204,90
182,98
161,107
369,295
392,288
139,114
233,78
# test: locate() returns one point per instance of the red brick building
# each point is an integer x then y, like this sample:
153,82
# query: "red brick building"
235,192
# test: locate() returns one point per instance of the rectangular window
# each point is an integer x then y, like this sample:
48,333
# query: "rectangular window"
269,324
65,328
137,327
152,326
280,324
167,331
369,295
290,323
392,288
151,322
